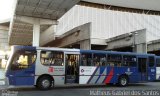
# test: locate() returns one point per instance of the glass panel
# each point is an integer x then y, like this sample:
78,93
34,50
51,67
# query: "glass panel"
86,59
114,60
151,61
23,59
142,65
52,58
99,59
158,62
72,63
129,60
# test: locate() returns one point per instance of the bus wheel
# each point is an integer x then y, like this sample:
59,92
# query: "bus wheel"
44,83
123,81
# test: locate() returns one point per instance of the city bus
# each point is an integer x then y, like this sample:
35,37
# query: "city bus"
46,67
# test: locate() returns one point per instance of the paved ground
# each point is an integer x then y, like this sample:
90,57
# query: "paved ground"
147,89
143,89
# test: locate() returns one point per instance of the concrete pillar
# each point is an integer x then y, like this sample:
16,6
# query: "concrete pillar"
37,22
140,41
36,33
85,45
141,48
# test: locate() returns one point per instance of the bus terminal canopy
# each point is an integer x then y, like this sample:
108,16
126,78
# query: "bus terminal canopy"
26,11
49,11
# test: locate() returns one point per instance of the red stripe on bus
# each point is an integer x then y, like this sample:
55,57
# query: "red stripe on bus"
109,77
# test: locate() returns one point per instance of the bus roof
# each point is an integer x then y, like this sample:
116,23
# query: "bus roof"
115,52
58,49
18,47
79,50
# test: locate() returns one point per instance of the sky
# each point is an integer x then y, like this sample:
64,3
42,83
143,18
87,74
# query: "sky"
6,9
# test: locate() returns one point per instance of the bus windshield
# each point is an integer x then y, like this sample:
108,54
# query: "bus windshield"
22,59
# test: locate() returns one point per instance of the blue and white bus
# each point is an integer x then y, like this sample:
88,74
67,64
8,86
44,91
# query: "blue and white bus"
47,67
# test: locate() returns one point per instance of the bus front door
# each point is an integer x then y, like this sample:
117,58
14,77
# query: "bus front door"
72,68
142,68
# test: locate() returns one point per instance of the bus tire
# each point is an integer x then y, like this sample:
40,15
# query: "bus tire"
44,83
123,81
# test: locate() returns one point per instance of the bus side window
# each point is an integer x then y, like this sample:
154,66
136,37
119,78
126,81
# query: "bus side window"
99,59
129,60
86,59
52,58
158,62
96,60
57,59
151,61
46,57
114,60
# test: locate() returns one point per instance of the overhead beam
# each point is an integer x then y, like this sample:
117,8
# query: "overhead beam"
31,20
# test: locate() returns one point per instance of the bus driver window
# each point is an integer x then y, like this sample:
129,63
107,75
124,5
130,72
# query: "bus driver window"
23,59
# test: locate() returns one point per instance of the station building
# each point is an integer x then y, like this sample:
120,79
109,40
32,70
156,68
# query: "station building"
104,27
86,25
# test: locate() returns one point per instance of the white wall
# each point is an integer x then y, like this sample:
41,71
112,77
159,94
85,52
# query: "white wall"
109,23
4,38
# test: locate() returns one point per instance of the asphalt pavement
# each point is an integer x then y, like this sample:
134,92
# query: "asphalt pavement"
141,89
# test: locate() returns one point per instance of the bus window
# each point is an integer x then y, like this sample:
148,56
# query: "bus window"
86,59
23,59
151,61
114,60
52,58
46,57
158,62
129,60
99,59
